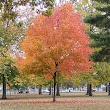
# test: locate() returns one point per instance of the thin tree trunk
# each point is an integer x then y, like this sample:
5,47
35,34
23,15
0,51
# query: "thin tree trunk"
58,90
61,86
90,89
52,89
40,90
50,92
109,88
87,89
54,81
106,89
34,88
4,87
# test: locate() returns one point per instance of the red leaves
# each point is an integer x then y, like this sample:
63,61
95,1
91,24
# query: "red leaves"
59,38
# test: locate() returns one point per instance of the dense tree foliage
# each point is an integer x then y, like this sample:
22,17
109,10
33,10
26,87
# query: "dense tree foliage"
100,34
56,44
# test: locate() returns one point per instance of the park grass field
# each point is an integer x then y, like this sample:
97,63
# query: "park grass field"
67,101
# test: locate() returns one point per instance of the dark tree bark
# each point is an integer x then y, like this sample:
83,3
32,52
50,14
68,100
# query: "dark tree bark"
40,90
50,89
58,90
109,88
4,87
106,89
89,89
54,86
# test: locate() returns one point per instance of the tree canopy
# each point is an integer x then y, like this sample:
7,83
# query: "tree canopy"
100,34
57,43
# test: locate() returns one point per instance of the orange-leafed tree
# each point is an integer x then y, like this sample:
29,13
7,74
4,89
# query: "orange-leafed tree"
57,44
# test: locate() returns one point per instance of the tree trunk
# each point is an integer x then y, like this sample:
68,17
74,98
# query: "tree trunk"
87,89
52,89
50,92
34,88
40,90
109,88
106,89
90,89
61,86
58,90
54,86
4,87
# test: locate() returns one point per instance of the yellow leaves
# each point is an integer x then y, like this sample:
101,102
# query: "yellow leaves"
35,80
18,79
32,47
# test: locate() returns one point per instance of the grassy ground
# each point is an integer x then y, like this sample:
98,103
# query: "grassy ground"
67,101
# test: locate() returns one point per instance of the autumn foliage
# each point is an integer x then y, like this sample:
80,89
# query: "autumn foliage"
56,43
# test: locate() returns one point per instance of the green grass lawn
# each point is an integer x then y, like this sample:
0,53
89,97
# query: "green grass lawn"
67,101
